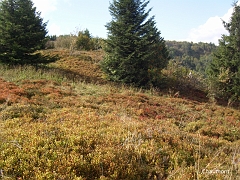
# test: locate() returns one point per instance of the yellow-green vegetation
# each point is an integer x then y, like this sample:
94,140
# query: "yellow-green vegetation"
65,121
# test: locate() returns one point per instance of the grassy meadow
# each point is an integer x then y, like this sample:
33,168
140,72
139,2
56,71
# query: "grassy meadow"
66,122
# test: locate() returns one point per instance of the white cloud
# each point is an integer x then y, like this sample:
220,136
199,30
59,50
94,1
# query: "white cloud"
211,31
45,6
54,29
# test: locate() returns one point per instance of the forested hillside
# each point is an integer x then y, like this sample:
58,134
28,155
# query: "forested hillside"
194,56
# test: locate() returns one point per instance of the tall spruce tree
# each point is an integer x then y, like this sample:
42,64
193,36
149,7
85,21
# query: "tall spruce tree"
135,51
225,67
22,32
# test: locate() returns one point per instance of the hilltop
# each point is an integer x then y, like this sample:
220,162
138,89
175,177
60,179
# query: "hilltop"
65,121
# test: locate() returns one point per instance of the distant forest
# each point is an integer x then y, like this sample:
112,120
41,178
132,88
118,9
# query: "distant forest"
195,56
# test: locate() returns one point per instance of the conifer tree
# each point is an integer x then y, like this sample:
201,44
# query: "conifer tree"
135,51
84,40
225,67
22,32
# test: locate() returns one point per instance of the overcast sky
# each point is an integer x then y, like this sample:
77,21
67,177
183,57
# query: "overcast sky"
180,20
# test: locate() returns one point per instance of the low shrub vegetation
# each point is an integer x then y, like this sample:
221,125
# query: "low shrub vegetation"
64,121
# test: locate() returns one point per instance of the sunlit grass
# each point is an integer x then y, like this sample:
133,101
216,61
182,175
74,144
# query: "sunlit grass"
19,73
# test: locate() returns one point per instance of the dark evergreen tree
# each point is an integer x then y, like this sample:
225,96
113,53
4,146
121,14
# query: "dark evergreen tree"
135,52
22,33
225,67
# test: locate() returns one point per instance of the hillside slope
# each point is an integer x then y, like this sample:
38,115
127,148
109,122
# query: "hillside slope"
67,122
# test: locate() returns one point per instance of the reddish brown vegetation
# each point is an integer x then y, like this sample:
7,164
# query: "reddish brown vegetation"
11,93
73,130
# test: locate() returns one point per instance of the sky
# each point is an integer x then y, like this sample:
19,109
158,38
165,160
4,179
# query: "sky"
180,20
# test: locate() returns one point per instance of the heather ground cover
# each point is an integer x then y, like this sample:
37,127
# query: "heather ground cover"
65,121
